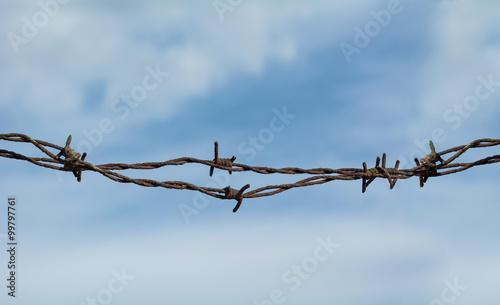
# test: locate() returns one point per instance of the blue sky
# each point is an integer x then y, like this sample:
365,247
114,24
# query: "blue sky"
151,81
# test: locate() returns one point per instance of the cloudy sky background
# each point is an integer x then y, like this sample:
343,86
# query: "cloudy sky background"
229,72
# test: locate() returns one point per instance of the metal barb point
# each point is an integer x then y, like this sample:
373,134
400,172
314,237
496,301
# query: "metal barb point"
73,163
221,161
231,193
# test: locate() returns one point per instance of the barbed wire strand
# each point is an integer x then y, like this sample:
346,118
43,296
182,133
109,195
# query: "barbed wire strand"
425,168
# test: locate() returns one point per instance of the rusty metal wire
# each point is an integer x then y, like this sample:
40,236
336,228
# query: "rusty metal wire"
425,168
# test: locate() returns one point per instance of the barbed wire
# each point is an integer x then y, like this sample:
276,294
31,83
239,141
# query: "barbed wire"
425,168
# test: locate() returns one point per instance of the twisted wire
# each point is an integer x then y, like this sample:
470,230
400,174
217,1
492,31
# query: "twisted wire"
424,168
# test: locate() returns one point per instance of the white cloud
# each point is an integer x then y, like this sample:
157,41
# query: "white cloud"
459,55
243,261
240,260
84,43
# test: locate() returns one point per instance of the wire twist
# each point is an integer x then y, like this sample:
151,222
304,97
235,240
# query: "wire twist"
425,168
224,163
